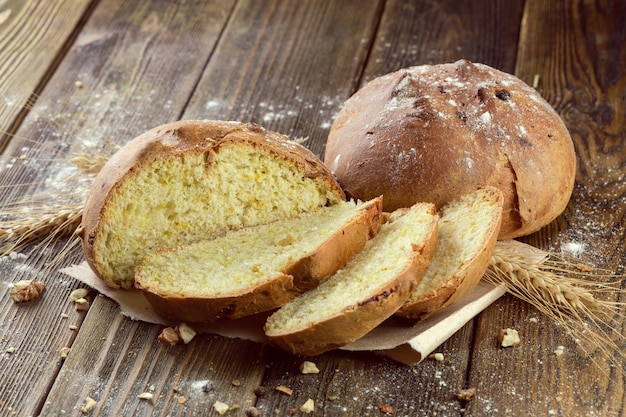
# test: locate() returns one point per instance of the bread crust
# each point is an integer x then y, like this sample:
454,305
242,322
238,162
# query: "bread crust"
436,132
301,275
354,322
182,138
464,279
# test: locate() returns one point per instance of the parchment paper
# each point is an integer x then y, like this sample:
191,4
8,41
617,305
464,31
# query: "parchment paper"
398,339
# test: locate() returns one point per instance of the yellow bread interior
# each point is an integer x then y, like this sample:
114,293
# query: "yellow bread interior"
465,227
179,199
241,260
384,257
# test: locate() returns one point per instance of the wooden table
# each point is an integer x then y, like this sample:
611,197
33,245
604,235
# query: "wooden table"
88,75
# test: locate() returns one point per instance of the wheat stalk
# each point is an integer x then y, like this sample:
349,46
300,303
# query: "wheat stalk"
89,163
575,296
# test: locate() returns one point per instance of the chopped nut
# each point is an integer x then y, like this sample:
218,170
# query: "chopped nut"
308,406
145,396
284,389
220,407
10,349
559,351
309,368
181,400
186,333
89,404
64,316
508,337
81,304
73,327
236,383
386,409
64,351
77,294
26,290
169,337
466,394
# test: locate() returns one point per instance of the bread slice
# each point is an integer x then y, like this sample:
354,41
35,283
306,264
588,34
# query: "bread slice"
191,180
468,230
258,268
373,285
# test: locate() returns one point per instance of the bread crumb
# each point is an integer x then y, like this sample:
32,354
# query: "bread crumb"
169,337
220,407
466,394
559,351
78,294
145,396
508,337
284,389
308,367
26,290
89,404
437,356
81,304
386,409
63,352
308,406
236,383
181,400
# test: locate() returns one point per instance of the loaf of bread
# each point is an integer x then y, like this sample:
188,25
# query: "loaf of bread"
256,268
468,231
372,287
436,132
192,180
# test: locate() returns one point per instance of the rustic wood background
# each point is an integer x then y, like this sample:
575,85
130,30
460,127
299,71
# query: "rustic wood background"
79,75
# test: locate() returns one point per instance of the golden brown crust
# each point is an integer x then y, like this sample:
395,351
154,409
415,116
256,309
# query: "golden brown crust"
434,133
463,280
301,275
182,138
354,322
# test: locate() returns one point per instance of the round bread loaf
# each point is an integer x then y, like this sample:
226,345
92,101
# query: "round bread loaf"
436,132
191,180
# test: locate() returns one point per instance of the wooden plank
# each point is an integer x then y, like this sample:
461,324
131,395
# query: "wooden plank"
580,71
129,84
32,36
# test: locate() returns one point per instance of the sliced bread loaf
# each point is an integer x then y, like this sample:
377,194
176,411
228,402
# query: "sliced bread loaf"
468,230
256,268
192,180
372,286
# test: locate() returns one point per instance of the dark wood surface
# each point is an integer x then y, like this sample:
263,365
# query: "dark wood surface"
78,75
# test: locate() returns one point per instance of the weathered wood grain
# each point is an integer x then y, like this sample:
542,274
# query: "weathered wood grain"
573,52
287,66
33,34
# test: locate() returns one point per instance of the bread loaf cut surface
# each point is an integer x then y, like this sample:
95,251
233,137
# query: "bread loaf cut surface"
195,179
436,132
257,268
372,286
468,230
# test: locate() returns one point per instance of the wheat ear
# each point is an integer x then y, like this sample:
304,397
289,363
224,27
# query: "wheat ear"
575,296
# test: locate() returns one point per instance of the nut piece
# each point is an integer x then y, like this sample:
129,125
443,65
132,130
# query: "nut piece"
89,404
508,337
186,333
78,293
466,394
308,406
559,351
169,337
63,352
145,396
26,290
220,407
309,368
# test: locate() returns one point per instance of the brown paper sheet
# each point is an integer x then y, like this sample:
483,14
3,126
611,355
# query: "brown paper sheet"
395,338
